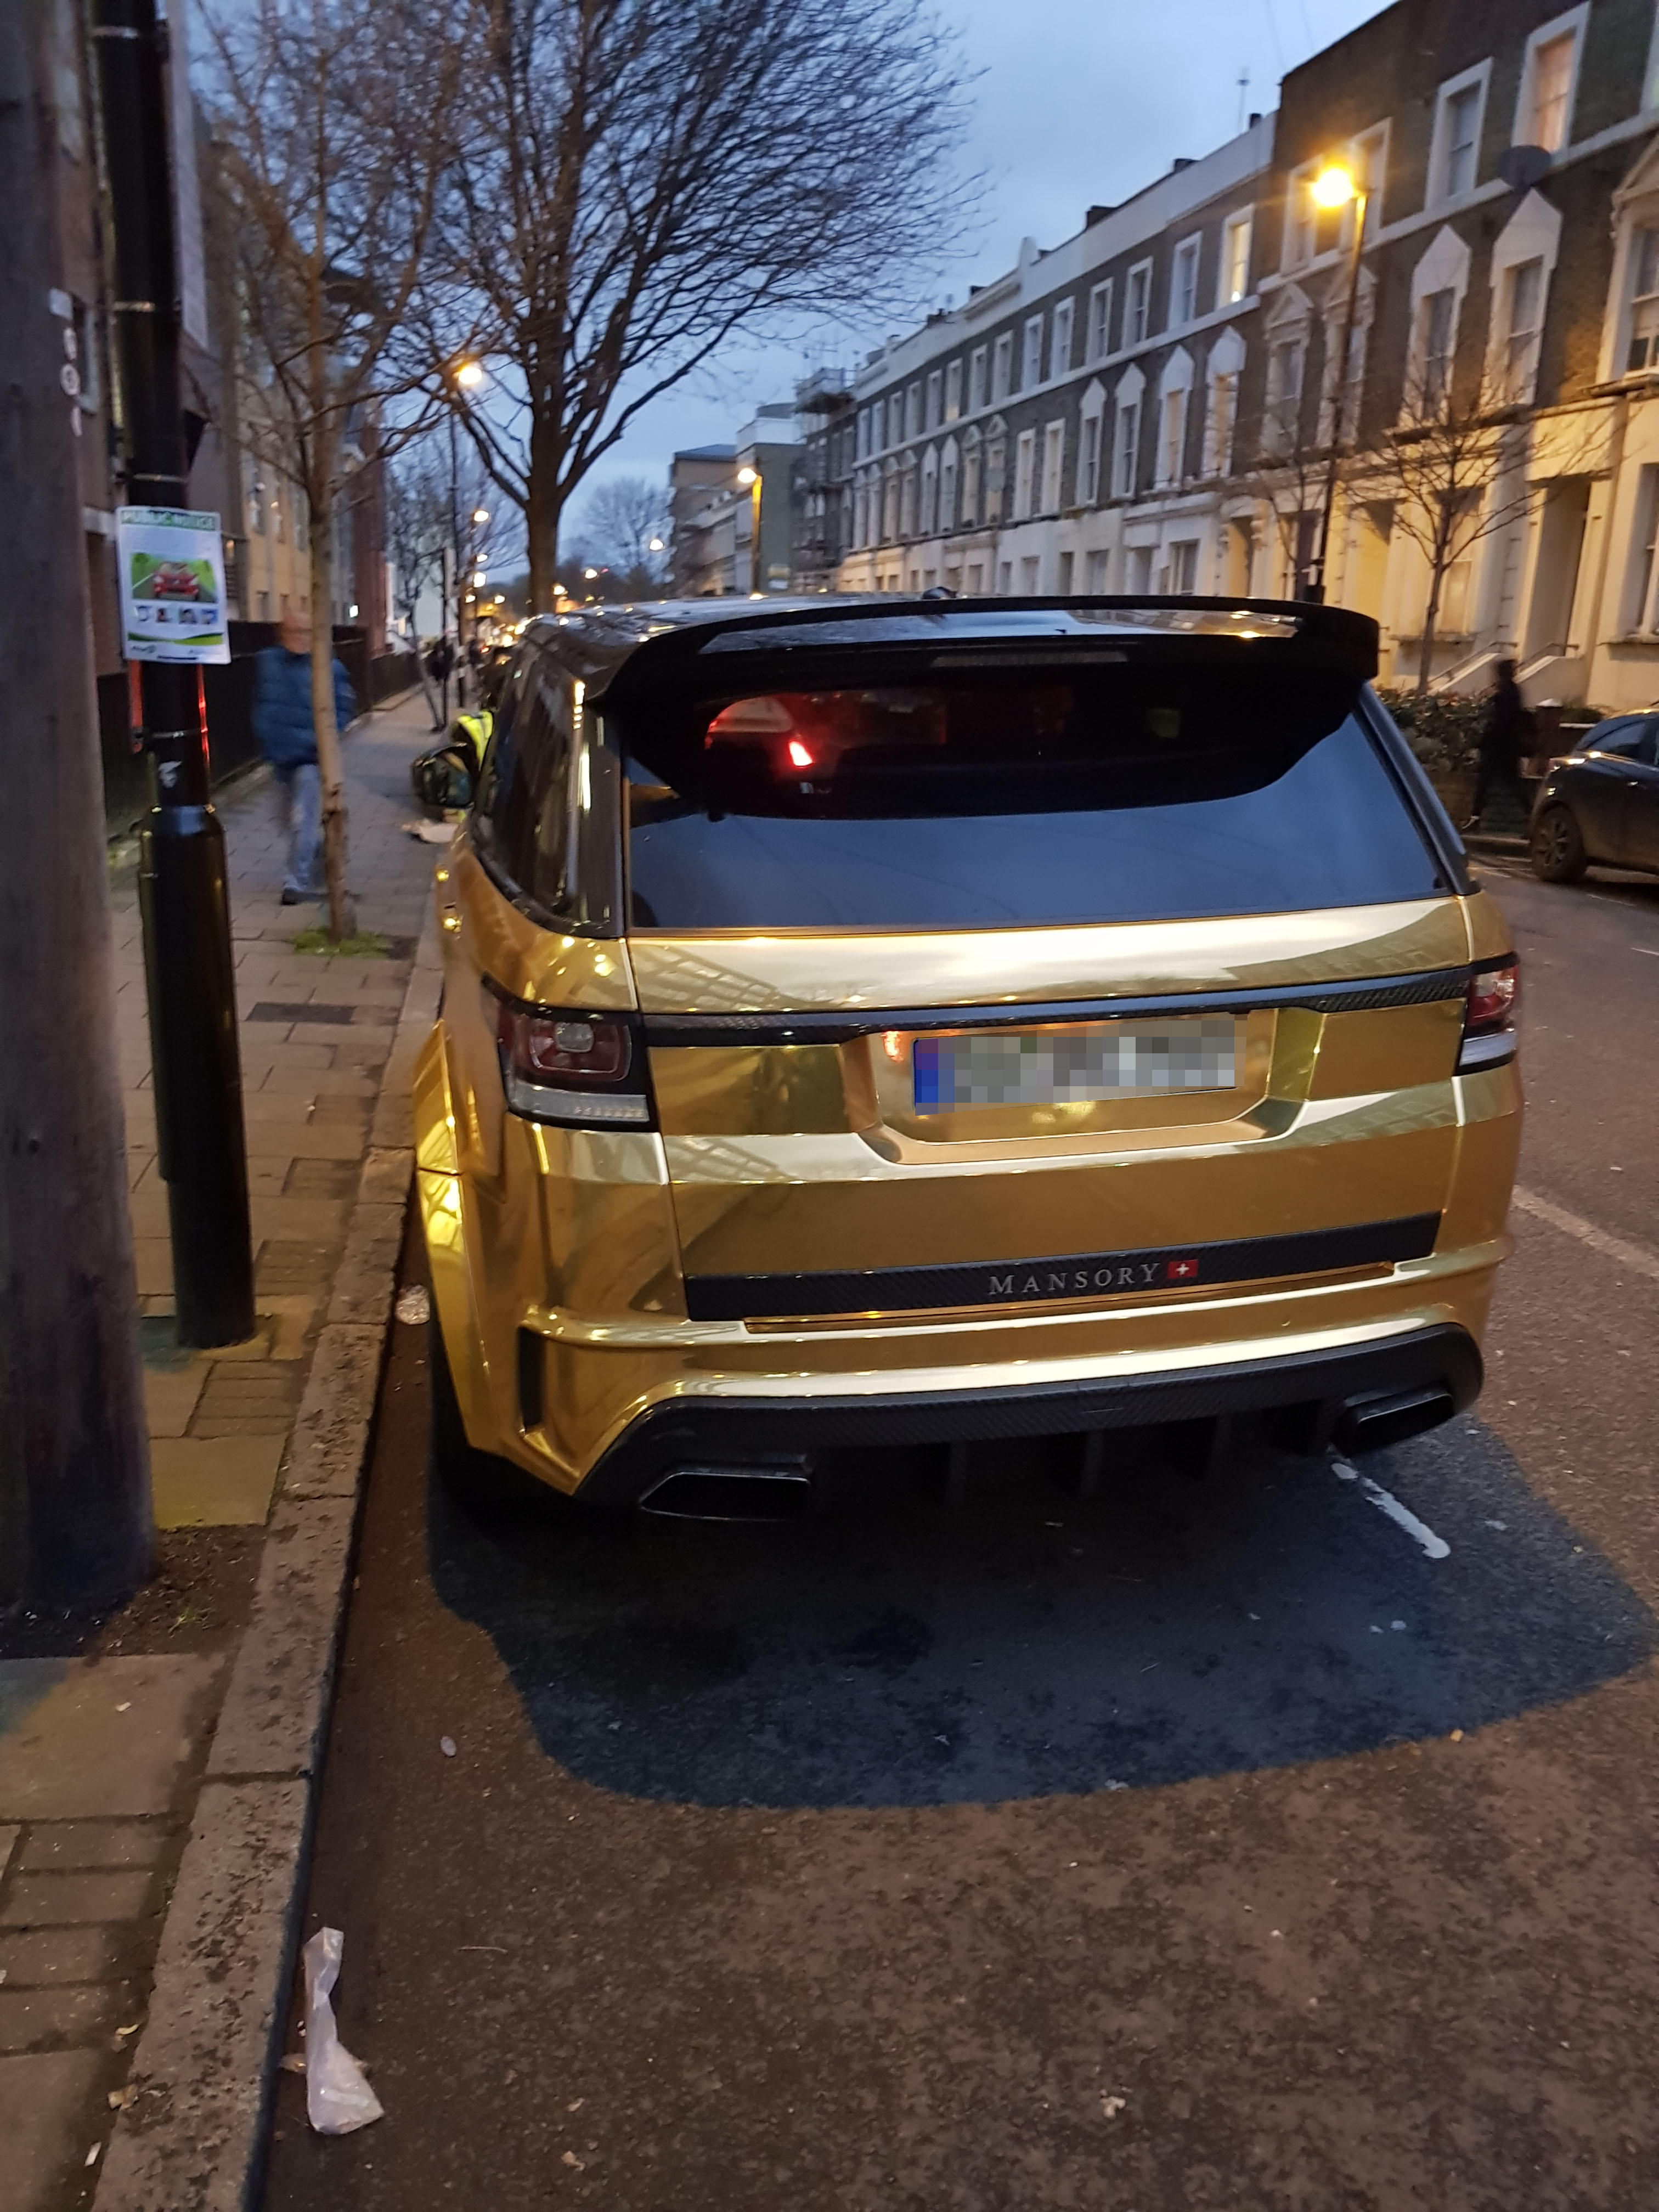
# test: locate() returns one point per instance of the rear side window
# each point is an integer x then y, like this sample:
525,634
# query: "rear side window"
1014,797
543,816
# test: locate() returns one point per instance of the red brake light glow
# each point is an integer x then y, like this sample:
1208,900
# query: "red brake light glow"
568,1067
1489,1036
799,756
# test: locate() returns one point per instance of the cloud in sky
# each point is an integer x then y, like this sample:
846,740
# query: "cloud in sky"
1076,101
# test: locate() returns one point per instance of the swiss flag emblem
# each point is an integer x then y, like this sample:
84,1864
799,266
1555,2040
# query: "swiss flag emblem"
1180,1271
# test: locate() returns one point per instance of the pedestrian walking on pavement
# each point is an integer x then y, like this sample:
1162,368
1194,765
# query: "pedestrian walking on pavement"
287,731
440,661
1505,737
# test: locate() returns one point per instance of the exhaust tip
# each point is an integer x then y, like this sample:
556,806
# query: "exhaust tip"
1372,1424
731,1493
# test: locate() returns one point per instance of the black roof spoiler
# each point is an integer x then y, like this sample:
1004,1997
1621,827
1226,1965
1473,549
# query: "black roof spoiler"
1297,632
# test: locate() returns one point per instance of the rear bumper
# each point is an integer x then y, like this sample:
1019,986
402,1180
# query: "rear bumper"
1437,1369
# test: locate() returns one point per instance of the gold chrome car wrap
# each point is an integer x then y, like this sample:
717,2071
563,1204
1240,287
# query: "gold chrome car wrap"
561,1256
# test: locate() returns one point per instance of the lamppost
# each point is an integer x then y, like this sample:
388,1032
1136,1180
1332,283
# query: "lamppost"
466,375
751,479
1334,187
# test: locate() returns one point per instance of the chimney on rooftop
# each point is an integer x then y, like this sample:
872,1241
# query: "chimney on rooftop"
1095,215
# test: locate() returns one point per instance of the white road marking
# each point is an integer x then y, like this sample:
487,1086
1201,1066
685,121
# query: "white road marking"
1633,1256
1401,1515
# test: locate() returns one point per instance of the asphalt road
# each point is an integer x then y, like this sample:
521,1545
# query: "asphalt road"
1208,1843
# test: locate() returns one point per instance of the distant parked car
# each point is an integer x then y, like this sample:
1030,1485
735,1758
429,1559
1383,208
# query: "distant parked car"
1601,803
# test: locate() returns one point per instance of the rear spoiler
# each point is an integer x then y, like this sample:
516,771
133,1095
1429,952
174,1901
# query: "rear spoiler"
1292,633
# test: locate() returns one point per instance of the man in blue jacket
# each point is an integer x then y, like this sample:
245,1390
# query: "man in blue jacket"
283,723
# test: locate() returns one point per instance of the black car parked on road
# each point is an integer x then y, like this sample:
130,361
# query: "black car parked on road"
1601,804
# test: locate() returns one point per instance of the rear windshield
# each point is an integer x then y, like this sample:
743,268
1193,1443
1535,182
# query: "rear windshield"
1008,796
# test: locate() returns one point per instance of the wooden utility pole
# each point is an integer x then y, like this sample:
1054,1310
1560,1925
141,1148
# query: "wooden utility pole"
74,1509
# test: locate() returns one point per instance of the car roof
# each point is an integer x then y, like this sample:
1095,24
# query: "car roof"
595,643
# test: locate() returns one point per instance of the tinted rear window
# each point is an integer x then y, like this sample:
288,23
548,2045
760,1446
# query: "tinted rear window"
1011,797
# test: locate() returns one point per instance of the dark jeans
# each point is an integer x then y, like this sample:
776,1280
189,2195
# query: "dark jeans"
1499,775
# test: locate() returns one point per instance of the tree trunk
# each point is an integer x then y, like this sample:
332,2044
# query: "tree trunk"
541,515
1431,618
342,917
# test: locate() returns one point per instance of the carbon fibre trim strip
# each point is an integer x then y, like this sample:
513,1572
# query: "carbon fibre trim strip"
839,1026
1090,1275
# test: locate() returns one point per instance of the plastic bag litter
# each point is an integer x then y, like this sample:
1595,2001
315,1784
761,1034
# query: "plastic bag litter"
337,2098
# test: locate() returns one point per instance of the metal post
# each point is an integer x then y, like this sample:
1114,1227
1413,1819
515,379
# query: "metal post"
1315,590
75,1510
189,966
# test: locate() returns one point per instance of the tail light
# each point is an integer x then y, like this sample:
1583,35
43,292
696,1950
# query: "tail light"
1489,1037
581,1068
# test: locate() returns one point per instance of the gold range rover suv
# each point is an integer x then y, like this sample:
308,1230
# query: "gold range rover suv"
925,1023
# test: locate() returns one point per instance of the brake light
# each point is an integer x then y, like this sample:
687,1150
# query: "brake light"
576,1067
798,755
1489,1036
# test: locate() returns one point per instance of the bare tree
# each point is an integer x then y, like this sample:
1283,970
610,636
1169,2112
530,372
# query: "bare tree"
331,169
644,178
625,521
1454,470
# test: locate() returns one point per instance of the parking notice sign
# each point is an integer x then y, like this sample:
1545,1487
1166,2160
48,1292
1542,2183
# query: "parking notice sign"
172,584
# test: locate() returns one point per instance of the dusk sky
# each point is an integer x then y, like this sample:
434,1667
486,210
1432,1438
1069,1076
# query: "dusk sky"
1078,100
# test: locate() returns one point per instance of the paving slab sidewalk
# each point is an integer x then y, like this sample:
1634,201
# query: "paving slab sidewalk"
155,1789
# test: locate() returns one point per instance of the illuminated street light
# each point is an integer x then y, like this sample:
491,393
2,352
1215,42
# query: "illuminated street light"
746,476
1333,187
590,574
481,514
469,375
480,576
655,546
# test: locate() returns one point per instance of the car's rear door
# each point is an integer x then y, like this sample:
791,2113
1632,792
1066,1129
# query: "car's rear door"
1638,800
1084,1078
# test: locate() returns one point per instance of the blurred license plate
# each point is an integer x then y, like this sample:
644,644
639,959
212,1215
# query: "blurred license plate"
1084,1061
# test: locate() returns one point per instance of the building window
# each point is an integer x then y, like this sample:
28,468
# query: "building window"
1094,576
976,380
1638,581
1523,326
1028,576
1025,468
947,491
1063,581
1137,304
895,419
953,391
1454,161
1370,159
1138,579
1235,275
913,410
935,385
907,498
889,508
1183,567
1059,343
1096,342
1125,454
929,492
1002,367
1545,113
1282,416
1439,334
863,446
996,471
1301,218
1088,459
972,476
1172,432
1004,580
1183,284
1222,414
1030,364
1643,350
1053,463
253,496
